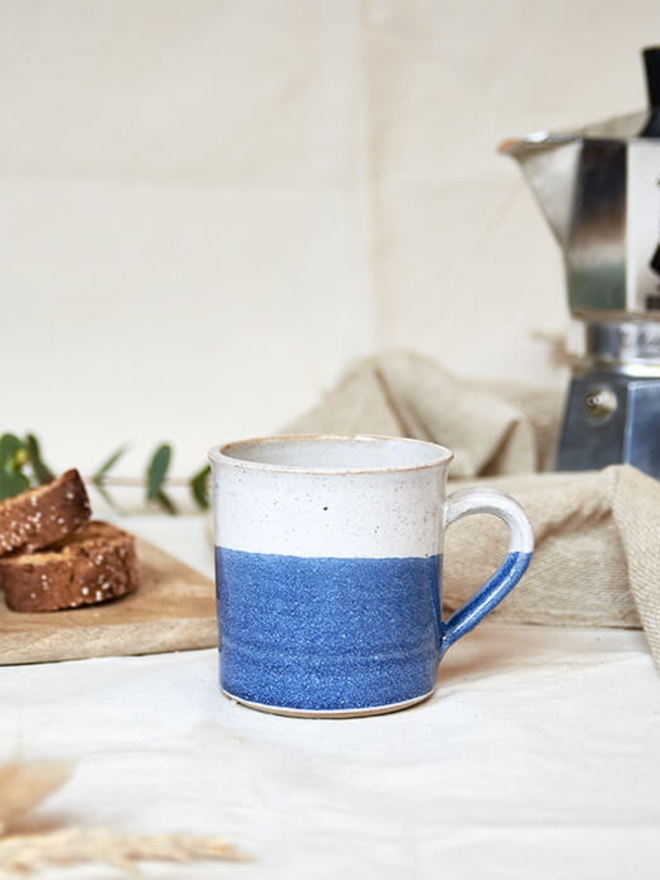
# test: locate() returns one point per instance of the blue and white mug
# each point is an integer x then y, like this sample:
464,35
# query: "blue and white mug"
329,570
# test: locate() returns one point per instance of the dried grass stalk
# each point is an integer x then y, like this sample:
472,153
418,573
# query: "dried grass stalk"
24,854
23,786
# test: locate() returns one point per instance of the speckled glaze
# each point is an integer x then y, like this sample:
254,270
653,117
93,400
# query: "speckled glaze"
329,570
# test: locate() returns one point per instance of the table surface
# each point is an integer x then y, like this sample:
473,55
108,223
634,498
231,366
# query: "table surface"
537,756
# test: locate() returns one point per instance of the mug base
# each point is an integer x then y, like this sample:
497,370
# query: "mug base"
327,713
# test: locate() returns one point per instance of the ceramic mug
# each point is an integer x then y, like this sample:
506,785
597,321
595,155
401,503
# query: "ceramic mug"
329,569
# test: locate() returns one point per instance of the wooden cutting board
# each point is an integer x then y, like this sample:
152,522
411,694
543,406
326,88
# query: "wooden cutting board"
174,610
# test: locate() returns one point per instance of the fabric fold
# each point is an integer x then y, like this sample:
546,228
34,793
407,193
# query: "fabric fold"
597,538
491,428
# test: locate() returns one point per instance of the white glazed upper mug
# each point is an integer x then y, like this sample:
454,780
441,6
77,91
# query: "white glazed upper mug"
329,570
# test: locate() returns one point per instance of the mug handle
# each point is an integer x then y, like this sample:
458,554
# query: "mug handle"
521,543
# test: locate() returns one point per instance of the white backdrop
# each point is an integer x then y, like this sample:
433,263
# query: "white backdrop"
208,207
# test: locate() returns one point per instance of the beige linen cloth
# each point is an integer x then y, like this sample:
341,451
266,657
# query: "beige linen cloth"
597,534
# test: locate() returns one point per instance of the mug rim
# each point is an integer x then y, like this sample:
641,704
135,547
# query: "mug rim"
219,455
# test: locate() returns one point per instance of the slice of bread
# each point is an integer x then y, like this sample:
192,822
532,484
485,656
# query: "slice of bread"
45,515
94,565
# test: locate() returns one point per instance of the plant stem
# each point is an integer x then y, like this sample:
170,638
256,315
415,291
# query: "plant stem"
137,482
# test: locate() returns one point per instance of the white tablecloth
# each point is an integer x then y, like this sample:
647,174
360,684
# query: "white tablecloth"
538,756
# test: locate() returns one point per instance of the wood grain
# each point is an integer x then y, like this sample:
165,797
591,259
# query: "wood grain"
174,610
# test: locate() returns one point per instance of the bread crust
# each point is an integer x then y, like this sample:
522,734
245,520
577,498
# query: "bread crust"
42,516
96,564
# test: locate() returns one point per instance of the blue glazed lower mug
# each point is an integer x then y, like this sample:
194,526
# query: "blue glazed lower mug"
329,570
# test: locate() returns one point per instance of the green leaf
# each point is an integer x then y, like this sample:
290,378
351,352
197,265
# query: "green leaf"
107,497
199,487
166,503
42,472
12,452
110,462
12,483
12,458
157,471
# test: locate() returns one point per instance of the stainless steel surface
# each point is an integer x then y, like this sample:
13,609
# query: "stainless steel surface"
600,404
599,189
601,197
630,347
610,419
642,440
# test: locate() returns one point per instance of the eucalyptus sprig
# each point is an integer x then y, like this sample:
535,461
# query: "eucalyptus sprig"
22,466
156,473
